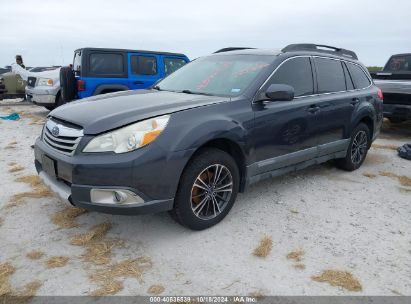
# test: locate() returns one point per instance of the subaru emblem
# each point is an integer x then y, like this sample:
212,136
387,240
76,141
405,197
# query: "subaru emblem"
55,131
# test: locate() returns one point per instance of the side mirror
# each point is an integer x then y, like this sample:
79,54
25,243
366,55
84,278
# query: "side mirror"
280,92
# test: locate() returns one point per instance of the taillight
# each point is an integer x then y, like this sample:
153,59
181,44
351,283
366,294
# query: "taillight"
81,85
379,94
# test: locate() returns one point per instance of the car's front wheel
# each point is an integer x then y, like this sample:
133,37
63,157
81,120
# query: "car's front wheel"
207,190
357,150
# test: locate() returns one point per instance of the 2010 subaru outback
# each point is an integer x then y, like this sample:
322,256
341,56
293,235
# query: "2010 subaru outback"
210,129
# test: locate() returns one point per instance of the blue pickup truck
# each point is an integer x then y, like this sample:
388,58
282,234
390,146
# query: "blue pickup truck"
100,70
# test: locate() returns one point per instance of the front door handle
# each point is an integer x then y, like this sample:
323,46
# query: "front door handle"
355,101
138,82
313,109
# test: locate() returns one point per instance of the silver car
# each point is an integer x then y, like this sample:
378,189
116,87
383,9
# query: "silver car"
43,89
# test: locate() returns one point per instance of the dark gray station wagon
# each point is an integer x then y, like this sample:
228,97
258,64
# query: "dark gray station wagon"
210,129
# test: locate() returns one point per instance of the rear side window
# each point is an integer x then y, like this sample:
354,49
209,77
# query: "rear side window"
359,77
144,65
106,64
173,64
297,73
330,75
348,79
399,63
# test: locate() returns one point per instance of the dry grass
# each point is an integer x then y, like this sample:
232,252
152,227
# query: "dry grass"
339,278
99,253
404,180
264,248
29,291
369,175
11,164
108,278
32,180
1,221
40,191
108,289
294,211
96,233
295,255
386,147
402,189
35,254
57,261
6,270
11,145
66,217
16,168
156,289
300,266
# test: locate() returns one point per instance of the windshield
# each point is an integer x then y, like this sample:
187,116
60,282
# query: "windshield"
226,75
399,63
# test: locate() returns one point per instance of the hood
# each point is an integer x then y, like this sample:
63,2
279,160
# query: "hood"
109,111
53,74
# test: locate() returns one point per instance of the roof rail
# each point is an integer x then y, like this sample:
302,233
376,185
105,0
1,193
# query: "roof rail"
319,48
229,49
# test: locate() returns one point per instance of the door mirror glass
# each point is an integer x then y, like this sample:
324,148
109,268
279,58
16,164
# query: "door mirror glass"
280,92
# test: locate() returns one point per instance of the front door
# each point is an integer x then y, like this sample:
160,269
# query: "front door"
284,132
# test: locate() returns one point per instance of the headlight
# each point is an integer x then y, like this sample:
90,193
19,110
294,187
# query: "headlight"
45,82
129,138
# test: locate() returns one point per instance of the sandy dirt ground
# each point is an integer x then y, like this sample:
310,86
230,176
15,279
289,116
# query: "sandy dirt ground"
358,223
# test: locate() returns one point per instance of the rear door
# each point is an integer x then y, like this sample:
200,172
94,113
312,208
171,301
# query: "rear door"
144,70
336,104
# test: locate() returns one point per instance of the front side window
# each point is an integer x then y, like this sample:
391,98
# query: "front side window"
221,75
359,77
330,75
172,64
77,63
106,64
297,73
144,65
399,63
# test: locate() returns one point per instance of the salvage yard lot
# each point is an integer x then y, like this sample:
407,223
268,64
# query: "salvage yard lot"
321,231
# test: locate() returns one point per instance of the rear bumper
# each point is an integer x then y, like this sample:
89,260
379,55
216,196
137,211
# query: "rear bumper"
397,111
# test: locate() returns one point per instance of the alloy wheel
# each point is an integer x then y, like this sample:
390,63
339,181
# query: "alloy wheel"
211,191
359,147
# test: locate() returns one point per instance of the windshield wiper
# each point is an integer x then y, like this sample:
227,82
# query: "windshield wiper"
195,93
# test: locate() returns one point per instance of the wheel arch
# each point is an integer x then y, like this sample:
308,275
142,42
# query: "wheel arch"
110,88
233,149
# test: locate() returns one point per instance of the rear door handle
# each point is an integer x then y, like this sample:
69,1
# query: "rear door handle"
355,101
138,82
313,109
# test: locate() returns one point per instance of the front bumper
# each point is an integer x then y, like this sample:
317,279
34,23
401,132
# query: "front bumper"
42,95
397,111
146,172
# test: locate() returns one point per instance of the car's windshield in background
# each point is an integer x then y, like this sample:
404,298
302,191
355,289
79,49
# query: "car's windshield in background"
399,63
226,75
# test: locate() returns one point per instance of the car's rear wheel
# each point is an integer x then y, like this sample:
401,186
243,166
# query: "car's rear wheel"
68,84
207,190
357,150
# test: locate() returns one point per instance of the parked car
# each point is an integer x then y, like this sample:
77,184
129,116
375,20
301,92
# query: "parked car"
5,69
395,83
11,85
99,71
43,88
209,130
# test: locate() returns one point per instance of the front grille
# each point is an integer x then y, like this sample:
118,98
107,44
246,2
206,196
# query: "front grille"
31,82
61,137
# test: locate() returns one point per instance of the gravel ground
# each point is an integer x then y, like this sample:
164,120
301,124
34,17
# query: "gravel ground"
345,221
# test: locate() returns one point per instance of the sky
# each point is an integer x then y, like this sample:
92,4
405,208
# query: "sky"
47,32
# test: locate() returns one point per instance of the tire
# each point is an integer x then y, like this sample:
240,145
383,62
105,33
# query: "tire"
68,84
357,150
210,205
59,101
